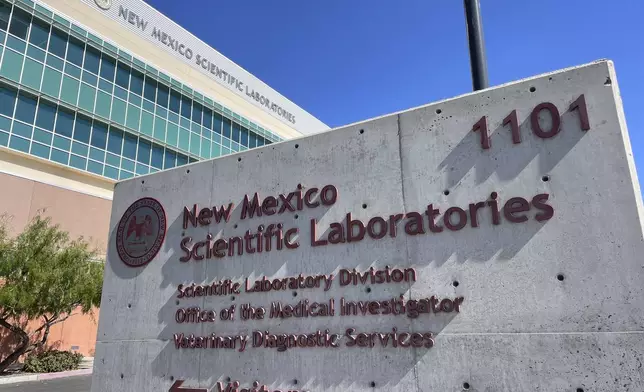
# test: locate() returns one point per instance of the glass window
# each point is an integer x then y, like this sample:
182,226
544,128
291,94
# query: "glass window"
58,42
260,141
170,158
157,156
181,160
196,112
26,108
7,100
162,95
123,75
227,126
75,51
150,92
175,100
236,130
186,106
129,147
5,10
99,135
39,33
92,59
83,128
107,67
115,141
136,83
20,22
144,152
207,118
216,123
244,137
46,115
64,122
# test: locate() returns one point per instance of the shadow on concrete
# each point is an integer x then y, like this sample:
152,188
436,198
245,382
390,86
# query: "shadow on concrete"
388,366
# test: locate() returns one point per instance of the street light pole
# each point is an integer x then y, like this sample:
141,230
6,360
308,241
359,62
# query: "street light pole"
476,43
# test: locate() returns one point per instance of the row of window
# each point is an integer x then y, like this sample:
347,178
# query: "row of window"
81,135
106,69
33,74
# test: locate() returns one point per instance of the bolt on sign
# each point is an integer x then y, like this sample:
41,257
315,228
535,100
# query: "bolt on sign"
488,242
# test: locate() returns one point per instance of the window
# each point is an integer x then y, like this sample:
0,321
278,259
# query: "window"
99,135
196,112
5,11
39,34
129,147
144,152
64,122
157,156
58,43
82,129
123,75
46,115
92,59
115,141
107,67
20,22
136,82
181,160
150,91
170,158
26,108
236,130
207,118
175,100
253,140
162,95
216,123
186,107
244,137
7,100
227,125
75,51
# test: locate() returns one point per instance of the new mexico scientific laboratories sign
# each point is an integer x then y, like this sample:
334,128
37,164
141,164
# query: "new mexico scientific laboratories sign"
144,21
491,242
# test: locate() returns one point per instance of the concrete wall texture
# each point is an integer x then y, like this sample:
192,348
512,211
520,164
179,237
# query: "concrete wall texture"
551,284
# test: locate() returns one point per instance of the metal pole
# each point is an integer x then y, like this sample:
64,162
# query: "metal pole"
476,43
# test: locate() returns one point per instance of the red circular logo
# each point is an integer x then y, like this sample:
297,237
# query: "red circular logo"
141,232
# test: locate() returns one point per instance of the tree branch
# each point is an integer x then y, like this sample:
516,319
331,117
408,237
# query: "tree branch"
51,322
17,330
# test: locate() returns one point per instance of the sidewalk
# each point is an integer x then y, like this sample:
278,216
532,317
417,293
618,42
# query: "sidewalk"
85,368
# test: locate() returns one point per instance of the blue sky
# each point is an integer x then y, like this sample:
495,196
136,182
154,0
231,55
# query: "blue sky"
349,60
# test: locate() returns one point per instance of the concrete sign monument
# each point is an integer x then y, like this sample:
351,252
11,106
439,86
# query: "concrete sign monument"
489,242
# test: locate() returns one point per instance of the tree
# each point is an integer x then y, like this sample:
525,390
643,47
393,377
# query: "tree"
44,277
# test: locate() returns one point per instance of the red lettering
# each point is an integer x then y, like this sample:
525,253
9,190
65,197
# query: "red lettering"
251,208
314,240
269,205
539,202
288,241
308,198
513,206
350,225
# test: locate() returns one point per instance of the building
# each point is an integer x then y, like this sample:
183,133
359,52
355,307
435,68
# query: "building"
96,91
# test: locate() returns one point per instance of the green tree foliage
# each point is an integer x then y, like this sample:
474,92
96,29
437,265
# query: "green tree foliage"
44,277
